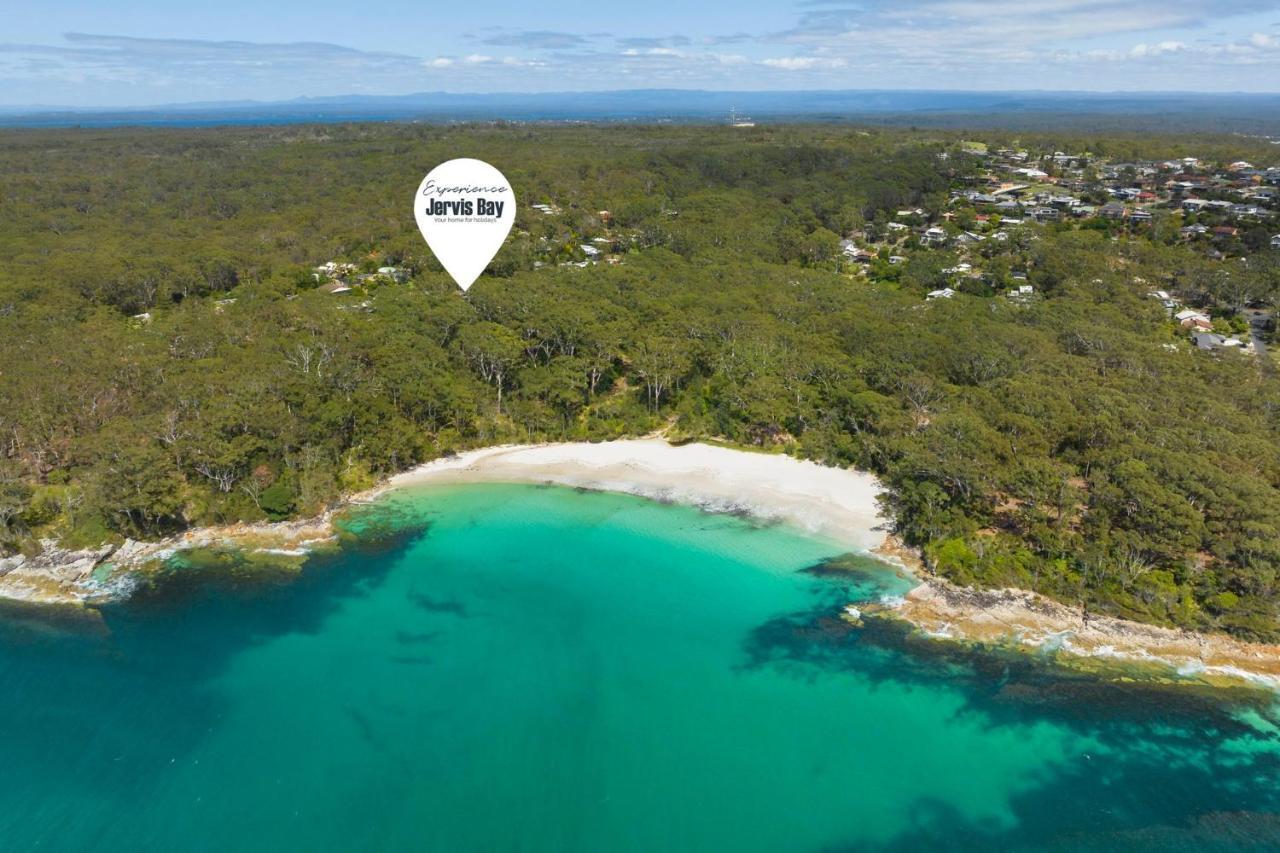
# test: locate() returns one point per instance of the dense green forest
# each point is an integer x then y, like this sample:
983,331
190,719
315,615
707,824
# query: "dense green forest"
168,358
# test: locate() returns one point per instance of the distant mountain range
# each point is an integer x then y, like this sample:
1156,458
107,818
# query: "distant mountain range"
1233,111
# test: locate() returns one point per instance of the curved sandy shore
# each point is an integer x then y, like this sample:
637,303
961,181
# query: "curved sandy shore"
840,505
835,503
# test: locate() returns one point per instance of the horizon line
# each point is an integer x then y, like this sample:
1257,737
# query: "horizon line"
231,103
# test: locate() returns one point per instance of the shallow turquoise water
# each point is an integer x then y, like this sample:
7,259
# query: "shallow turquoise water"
531,668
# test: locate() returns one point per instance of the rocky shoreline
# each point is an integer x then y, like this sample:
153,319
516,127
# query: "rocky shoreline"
797,492
1023,619
59,575
54,576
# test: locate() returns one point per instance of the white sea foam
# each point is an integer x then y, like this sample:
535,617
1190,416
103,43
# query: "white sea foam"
1183,667
1056,640
116,586
1258,678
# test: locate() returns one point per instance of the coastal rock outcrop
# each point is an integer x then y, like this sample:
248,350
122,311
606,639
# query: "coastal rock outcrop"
55,575
1020,617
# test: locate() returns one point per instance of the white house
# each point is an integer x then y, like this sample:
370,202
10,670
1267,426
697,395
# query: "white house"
1191,319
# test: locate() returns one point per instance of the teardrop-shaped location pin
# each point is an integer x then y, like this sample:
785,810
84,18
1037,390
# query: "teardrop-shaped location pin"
464,208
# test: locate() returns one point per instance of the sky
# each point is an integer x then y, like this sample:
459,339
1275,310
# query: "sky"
147,52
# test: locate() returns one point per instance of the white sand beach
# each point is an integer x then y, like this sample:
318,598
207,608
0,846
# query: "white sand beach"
841,505
838,504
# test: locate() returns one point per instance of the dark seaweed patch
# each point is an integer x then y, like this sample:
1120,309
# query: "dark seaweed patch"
1177,793
1006,684
438,605
170,641
411,660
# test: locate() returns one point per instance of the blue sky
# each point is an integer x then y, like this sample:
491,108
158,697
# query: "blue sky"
139,52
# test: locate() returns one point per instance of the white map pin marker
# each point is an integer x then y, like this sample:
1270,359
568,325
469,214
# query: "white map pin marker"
464,208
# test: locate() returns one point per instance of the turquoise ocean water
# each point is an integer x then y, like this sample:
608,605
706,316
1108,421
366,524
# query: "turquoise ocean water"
530,668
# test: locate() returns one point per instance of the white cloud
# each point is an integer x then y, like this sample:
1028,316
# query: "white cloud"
1245,52
476,60
954,44
803,63
1160,49
652,51
957,43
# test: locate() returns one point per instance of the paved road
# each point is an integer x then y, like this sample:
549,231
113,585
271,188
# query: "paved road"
1258,318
